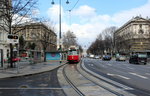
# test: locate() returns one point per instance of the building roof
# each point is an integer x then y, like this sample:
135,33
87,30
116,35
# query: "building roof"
33,24
134,19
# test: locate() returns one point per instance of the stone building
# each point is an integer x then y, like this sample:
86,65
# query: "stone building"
133,36
38,35
4,44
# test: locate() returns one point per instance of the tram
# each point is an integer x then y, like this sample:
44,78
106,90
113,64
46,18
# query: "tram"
73,55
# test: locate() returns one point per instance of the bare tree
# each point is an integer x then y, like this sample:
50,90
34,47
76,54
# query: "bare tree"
69,39
46,40
21,42
104,41
109,38
12,13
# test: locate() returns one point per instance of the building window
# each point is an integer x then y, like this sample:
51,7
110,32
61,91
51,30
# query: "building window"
1,37
141,31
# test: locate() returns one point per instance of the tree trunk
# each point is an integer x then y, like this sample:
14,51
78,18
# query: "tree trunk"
44,56
11,56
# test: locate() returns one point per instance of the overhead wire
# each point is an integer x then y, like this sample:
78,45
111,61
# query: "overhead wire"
74,5
69,11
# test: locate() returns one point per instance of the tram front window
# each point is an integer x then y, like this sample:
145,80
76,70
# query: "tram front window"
72,53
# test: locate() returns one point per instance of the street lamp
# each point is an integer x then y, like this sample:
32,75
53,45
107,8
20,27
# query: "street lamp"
67,2
60,41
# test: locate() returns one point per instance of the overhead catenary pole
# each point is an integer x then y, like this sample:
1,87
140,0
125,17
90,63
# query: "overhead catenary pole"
60,39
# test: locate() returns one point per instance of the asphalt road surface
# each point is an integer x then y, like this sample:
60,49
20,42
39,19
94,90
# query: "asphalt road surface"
44,84
132,75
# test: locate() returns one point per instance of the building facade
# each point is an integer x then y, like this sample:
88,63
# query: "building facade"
133,36
37,34
4,44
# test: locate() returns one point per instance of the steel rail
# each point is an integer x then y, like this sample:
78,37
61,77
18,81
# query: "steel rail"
71,83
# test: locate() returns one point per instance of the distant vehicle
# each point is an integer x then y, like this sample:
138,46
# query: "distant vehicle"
91,56
96,57
73,55
139,58
121,58
106,57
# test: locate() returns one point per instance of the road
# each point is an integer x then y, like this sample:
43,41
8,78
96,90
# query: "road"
132,75
115,78
43,84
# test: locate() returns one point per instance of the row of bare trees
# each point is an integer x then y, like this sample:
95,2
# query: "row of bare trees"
69,39
104,42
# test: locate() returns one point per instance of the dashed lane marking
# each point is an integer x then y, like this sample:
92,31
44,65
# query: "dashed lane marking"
107,79
130,68
123,77
118,76
135,74
90,64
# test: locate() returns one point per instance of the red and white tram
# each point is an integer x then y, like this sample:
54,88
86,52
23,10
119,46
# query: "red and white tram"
73,55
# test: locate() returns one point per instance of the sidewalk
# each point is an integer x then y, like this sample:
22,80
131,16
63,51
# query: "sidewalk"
29,69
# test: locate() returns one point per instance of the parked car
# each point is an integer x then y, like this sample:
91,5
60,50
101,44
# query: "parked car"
121,58
106,57
16,59
13,59
138,59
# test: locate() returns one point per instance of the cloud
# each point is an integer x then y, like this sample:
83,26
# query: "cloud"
84,12
87,23
35,12
124,16
53,12
17,19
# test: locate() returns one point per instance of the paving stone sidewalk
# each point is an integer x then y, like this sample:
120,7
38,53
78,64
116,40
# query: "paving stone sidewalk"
27,68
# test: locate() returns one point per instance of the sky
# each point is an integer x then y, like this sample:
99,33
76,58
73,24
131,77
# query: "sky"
88,18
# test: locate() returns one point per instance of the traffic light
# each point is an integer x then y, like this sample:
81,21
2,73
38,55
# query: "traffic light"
10,36
15,37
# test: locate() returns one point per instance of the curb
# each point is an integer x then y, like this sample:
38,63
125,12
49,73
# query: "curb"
34,73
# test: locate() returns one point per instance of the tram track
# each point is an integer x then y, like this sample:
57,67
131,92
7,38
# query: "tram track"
84,86
71,83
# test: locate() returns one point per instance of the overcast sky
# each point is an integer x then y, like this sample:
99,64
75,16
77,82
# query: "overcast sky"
90,17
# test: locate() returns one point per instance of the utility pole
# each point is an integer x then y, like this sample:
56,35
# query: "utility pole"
60,39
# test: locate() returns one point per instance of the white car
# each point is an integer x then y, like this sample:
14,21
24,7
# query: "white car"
96,57
91,56
121,58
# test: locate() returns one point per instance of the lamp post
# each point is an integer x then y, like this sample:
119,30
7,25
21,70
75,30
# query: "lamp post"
60,41
67,2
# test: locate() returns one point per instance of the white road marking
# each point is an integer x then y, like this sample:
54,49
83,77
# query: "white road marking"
109,80
118,76
123,77
135,74
110,74
90,64
109,64
130,68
